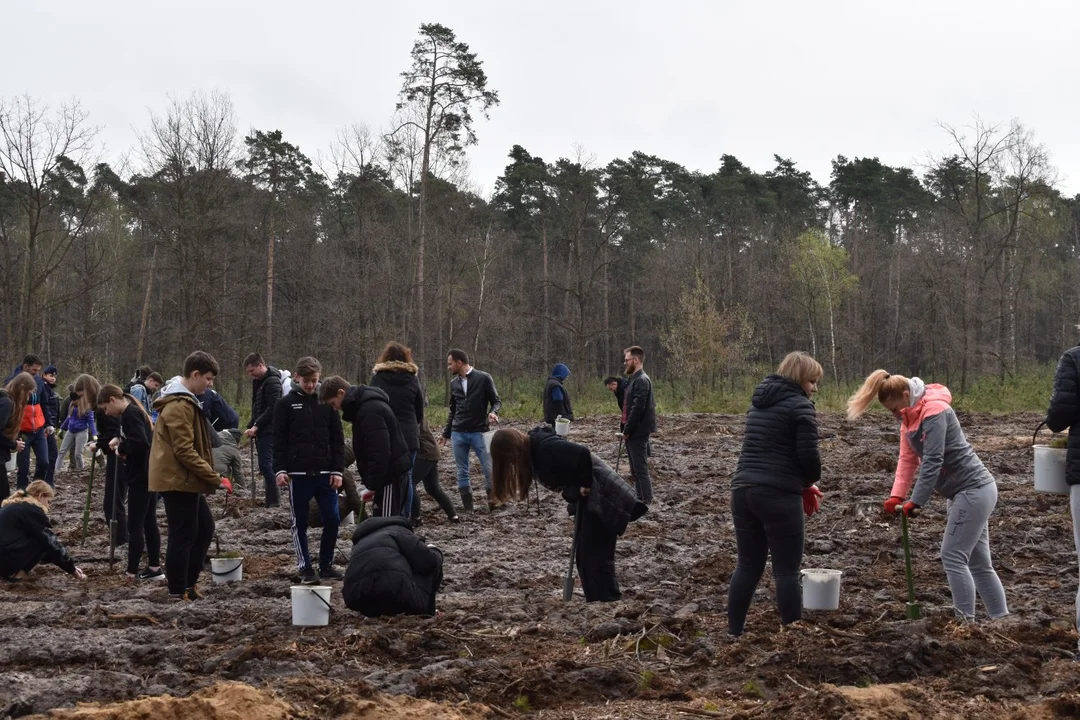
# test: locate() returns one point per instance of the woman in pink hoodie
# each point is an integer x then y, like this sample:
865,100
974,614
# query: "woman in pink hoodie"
935,455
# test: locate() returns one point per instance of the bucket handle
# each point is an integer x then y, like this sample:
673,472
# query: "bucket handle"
321,599
239,564
1038,427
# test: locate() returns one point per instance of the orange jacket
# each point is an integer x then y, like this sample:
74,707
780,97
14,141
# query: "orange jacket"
33,419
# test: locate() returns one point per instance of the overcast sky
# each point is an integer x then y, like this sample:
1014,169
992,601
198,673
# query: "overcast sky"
687,81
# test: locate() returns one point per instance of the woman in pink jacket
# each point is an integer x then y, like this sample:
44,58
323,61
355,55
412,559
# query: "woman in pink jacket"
935,455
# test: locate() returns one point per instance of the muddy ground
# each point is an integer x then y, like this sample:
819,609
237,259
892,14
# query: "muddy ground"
506,640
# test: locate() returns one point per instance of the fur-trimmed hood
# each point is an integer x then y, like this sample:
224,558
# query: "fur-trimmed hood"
16,499
396,366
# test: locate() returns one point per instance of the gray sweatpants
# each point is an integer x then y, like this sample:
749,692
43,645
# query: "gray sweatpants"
74,442
1074,507
965,553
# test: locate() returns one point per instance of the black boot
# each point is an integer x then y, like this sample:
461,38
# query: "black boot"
466,498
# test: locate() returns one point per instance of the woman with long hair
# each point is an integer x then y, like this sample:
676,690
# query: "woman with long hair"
601,501
935,455
774,486
396,375
133,447
13,399
26,536
108,427
79,428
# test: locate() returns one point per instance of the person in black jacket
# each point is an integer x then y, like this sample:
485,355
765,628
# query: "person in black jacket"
586,482
115,481
391,571
13,399
617,386
217,410
474,406
1063,414
26,536
638,420
382,457
265,392
309,459
50,405
133,447
774,486
556,398
395,375
65,406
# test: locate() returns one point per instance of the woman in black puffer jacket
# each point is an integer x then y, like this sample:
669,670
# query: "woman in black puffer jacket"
396,375
773,487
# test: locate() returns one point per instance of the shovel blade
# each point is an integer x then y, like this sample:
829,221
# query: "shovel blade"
914,611
567,589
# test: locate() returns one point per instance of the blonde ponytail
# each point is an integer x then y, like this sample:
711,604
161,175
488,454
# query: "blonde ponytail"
878,385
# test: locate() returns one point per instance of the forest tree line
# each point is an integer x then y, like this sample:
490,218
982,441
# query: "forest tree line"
209,238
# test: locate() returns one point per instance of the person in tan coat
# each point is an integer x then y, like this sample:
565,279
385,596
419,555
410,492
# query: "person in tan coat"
182,470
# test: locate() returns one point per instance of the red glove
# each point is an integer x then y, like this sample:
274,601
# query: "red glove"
811,500
892,503
227,484
911,509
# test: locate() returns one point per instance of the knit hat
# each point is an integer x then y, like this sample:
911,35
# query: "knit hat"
50,370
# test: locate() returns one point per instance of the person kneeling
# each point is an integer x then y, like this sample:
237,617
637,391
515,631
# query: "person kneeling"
392,571
26,536
606,503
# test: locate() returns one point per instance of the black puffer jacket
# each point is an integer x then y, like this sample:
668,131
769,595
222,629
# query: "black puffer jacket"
611,499
641,413
1064,410
469,413
391,571
780,447
558,463
398,380
26,538
308,437
381,454
265,392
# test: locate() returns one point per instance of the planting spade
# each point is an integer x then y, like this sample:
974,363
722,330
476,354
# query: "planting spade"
914,610
89,496
568,581
114,524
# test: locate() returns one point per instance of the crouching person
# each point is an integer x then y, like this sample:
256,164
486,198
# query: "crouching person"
606,503
392,571
26,536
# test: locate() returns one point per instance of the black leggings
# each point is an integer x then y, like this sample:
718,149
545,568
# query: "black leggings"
191,528
113,465
427,472
767,521
142,527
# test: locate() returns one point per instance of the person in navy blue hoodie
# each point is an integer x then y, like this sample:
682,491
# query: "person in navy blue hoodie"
33,426
556,397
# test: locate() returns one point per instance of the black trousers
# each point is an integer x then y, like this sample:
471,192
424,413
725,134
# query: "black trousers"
5,485
143,529
596,559
637,453
767,521
191,528
390,498
113,465
427,472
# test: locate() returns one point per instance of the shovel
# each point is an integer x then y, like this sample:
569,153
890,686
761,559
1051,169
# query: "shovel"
568,581
251,457
114,525
618,454
89,495
914,610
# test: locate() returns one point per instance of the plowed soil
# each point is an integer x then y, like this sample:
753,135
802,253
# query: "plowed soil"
505,644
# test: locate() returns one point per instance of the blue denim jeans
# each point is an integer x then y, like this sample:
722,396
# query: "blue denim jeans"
39,444
463,442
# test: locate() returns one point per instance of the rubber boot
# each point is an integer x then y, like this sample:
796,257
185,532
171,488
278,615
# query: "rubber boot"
466,498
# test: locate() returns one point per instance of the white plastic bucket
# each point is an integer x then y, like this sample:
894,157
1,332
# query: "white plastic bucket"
226,570
12,463
310,605
350,519
821,589
1050,470
562,426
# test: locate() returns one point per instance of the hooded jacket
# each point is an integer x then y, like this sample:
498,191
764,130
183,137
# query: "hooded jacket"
308,439
391,570
402,386
26,537
50,404
181,456
1064,411
218,412
227,460
556,398
611,499
469,410
429,448
265,392
933,445
780,444
639,407
77,422
559,464
382,457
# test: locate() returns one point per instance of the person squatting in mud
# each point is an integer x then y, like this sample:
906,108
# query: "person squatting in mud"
602,500
26,536
774,486
309,460
935,454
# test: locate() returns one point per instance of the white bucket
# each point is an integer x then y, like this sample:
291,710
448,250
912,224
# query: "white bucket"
1050,470
12,463
310,605
350,519
821,589
562,426
226,570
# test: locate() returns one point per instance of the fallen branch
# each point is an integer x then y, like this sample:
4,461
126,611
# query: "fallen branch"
799,685
696,711
499,712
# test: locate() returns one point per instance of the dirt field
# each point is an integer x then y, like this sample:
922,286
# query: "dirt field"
507,645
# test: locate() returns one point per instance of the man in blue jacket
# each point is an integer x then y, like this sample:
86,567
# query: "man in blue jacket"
33,434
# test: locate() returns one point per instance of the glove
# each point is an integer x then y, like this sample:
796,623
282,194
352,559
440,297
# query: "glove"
811,500
227,484
911,509
892,503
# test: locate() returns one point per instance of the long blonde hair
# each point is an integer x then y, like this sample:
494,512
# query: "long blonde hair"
21,387
90,388
880,385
